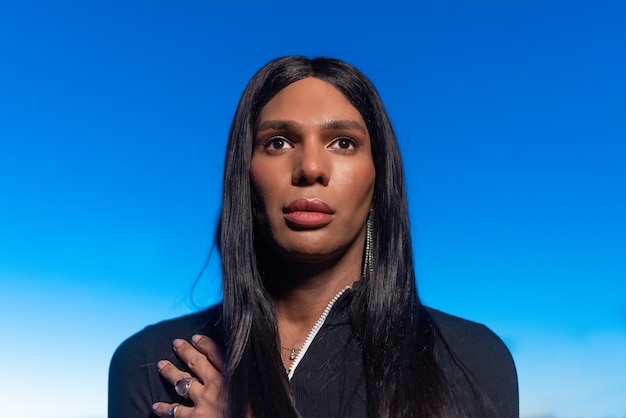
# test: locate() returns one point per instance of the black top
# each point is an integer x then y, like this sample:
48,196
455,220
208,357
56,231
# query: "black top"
329,381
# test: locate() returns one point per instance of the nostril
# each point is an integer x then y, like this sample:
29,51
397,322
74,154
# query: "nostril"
305,181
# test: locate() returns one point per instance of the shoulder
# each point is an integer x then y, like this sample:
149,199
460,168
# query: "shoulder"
157,338
468,338
134,383
471,352
207,321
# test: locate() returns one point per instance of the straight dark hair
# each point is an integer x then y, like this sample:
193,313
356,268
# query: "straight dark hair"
396,333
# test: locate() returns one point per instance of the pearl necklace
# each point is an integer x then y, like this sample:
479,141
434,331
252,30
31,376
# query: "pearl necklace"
296,357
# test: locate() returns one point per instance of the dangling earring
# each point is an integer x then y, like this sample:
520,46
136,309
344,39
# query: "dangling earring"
368,253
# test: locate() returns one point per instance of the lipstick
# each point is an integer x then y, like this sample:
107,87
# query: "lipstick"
308,213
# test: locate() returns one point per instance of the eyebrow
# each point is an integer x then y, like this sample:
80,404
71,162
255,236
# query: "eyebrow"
279,125
350,125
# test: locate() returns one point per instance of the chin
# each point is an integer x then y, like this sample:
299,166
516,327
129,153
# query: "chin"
306,255
309,254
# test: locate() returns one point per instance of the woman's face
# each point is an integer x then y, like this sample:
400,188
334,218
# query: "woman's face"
312,171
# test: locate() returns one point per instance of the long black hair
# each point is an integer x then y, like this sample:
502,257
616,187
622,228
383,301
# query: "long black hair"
393,327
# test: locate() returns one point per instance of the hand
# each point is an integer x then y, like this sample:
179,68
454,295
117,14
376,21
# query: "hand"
207,392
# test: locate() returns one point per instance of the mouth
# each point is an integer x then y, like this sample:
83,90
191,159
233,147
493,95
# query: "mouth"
308,213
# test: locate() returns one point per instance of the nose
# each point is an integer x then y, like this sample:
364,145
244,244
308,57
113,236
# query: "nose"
311,165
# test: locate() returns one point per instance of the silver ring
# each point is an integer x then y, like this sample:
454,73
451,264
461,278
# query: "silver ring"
183,385
172,412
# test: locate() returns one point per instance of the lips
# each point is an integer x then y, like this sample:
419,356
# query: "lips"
308,213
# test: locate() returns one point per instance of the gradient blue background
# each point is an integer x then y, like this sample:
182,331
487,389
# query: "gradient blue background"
113,124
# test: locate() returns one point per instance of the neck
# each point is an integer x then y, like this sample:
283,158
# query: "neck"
298,315
303,290
304,304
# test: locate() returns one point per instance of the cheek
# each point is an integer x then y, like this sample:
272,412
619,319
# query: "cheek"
265,184
258,192
360,181
258,179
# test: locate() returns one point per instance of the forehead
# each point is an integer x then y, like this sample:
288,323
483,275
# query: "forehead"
310,99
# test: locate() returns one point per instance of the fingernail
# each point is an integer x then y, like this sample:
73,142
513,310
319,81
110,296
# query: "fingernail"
161,364
196,338
178,343
155,406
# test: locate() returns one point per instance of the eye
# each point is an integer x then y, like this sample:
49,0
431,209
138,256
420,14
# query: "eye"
344,143
277,143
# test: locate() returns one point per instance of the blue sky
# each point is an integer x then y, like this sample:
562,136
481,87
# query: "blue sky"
113,124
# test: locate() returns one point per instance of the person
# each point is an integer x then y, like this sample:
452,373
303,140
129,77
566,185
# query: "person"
321,315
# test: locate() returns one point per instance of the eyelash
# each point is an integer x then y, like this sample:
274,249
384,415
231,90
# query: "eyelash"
351,142
273,140
279,138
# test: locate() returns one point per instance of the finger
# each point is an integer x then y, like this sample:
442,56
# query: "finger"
172,373
211,349
197,361
169,410
175,376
